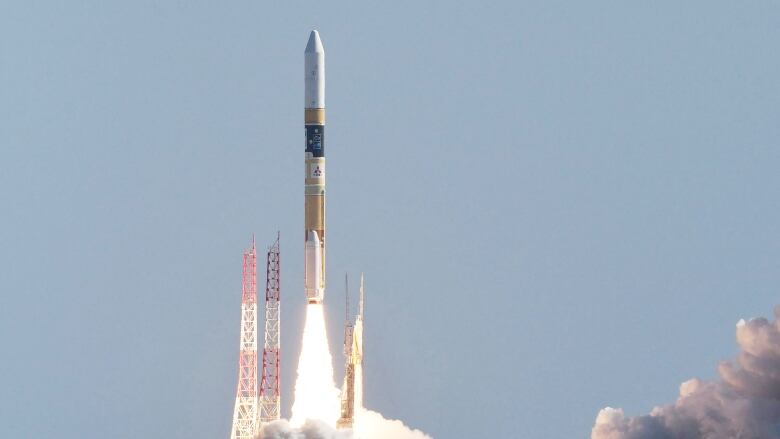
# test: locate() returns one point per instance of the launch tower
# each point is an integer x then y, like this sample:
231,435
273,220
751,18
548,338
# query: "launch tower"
269,384
245,410
352,390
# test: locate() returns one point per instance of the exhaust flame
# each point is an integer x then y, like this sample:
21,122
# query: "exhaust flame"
316,395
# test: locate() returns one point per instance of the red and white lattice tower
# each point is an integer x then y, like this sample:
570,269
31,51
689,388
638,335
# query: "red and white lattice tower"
269,384
245,413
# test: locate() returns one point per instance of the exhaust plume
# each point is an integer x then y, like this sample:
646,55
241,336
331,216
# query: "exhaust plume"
743,404
316,395
317,399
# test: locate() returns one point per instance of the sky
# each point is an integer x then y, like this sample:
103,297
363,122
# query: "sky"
558,206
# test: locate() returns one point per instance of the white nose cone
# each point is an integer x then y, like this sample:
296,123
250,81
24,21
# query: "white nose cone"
314,72
315,44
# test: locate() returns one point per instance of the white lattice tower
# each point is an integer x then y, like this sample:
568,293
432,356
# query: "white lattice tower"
346,419
357,346
245,411
269,384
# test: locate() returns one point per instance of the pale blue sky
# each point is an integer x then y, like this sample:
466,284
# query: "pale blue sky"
558,205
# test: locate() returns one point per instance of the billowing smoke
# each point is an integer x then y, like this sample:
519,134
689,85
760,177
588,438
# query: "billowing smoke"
368,425
743,404
309,430
372,425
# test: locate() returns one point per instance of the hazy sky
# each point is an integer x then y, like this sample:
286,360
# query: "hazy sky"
558,205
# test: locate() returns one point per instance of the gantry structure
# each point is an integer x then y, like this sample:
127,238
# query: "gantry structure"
245,412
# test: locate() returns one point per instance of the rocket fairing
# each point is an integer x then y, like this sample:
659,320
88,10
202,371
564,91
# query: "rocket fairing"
314,158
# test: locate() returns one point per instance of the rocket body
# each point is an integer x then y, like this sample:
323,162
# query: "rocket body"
314,158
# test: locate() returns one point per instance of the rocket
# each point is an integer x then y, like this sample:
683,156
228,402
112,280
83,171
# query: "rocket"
314,158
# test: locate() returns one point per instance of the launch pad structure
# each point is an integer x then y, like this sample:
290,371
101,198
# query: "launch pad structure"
245,410
269,384
253,408
351,391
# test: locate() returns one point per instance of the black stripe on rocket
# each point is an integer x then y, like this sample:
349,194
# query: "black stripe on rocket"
315,140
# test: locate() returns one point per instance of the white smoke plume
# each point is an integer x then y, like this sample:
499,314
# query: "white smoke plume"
372,425
743,404
309,430
368,425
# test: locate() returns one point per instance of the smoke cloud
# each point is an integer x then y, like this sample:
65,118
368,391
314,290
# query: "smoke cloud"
309,430
743,404
368,425
371,425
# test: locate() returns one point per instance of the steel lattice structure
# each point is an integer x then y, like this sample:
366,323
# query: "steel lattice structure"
269,384
351,397
245,412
